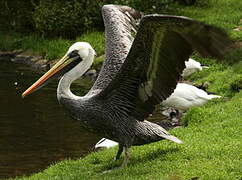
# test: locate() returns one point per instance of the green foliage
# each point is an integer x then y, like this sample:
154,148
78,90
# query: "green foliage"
66,18
69,18
152,6
16,15
96,39
97,64
217,78
225,14
48,48
198,3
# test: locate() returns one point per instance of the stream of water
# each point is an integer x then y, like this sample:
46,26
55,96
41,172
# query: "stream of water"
35,132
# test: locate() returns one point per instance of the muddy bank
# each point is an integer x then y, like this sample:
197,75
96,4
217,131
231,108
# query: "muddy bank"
37,63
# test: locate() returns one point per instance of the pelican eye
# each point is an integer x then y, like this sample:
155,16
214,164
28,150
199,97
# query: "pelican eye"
74,54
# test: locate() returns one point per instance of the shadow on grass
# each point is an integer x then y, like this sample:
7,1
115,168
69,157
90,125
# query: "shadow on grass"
234,53
152,155
158,153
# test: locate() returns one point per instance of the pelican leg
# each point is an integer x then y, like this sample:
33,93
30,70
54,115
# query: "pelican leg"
120,150
126,156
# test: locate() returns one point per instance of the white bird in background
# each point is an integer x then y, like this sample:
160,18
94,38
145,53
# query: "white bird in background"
186,96
192,66
105,143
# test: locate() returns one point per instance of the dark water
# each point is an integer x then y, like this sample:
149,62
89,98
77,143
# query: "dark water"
35,131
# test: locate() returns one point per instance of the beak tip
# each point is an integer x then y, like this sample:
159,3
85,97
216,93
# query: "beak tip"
23,95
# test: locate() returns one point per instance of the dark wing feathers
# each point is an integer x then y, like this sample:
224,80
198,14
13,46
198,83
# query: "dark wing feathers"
207,40
156,59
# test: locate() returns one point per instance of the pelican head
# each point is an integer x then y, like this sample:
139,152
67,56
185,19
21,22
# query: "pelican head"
74,63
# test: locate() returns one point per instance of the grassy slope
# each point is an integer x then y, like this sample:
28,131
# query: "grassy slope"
212,148
48,48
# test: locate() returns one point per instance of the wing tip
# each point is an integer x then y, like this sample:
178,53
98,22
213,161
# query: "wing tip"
167,17
174,139
134,13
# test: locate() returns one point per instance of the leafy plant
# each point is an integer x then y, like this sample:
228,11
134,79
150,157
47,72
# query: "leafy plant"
16,15
67,18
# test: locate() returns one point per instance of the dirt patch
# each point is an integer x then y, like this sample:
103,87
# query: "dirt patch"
35,62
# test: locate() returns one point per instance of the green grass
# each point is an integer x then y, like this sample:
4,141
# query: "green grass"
48,48
225,14
212,135
221,78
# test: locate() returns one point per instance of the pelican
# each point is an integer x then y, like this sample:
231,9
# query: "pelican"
192,66
186,96
144,58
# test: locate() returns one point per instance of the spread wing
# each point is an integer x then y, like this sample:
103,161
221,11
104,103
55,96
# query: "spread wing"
155,61
120,26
